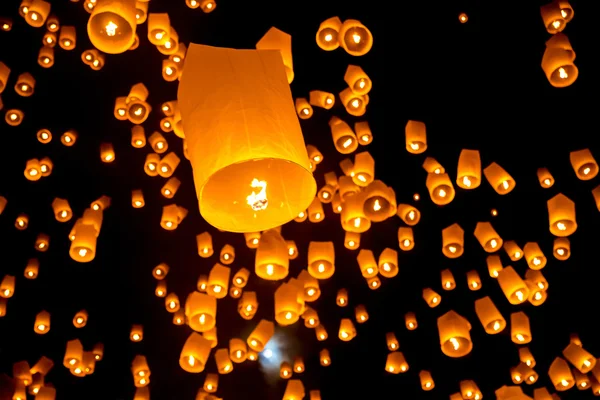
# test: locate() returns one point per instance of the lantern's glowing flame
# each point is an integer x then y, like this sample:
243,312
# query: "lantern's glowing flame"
111,28
258,201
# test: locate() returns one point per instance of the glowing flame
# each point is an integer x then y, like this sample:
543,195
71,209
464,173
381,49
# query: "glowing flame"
258,201
111,28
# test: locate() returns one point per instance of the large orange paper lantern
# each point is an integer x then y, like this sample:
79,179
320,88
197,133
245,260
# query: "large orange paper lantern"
112,25
249,159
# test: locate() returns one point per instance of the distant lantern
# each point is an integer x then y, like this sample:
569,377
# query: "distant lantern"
426,379
355,104
584,164
107,153
240,279
172,303
265,183
248,305
205,245
137,198
276,39
367,263
406,240
534,256
327,35
319,98
432,298
410,320
514,252
416,137
112,25
22,222
455,338
227,255
499,179
560,375
261,335
408,214
432,166
80,319
289,302
136,334
161,289
344,138
238,350
380,201
292,249
195,353
468,175
32,269
558,61
388,263
355,38
218,281
67,38
14,117
4,74
561,249
545,178
42,242
321,259
303,108
487,237
83,245
519,328
207,6
363,132
25,84
581,359
364,169
440,188
492,321
513,286
73,353
352,240
69,138
158,28
46,57
347,331
473,280
453,241
396,363
463,18
448,282
556,15
561,214
42,323
357,80
201,311
272,260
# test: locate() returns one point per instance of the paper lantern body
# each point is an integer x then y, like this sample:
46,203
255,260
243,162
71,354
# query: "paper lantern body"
112,25
249,159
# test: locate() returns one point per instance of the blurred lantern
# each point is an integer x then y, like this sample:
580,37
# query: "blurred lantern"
25,84
303,108
14,117
405,238
46,57
561,214
432,166
556,15
344,139
558,61
388,263
513,287
408,214
69,138
42,323
159,27
248,305
545,178
265,183
240,279
581,359
396,363
448,282
347,331
355,104
137,198
410,320
261,335
473,280
561,249
32,268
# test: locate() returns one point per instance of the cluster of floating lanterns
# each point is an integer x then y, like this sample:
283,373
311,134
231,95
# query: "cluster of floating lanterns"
257,187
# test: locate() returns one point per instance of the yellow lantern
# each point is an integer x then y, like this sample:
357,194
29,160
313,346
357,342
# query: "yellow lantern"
107,153
355,104
158,28
344,138
211,335
292,249
69,138
468,175
584,164
44,136
431,297
526,357
534,255
427,382
67,38
227,254
448,282
80,319
172,303
347,331
513,287
519,328
240,279
361,314
42,242
357,80
545,178
289,302
205,246
303,108
137,198
558,61
367,263
318,98
396,363
453,239
14,117
364,169
41,325
261,335
170,187
406,240
355,38
201,311
363,132
327,35
431,166
248,305
195,353
514,252
274,164
120,109
272,260
73,353
314,154
473,280
62,210
380,201
237,350
487,237
324,358
32,269
25,85
470,390
580,358
171,45
141,11
112,25
22,222
561,249
276,39
83,245
388,263
561,214
285,370
311,287
560,375
490,317
168,164
351,240
218,281
499,179
455,338
440,188
555,15
416,137
46,57
408,214
32,170
321,259
294,390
